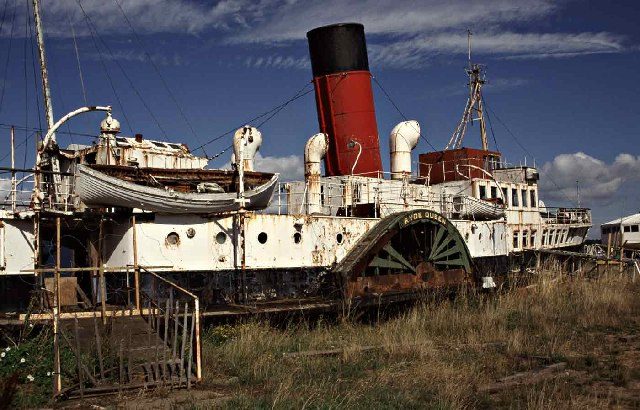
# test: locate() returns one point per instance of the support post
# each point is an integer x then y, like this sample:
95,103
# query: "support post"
197,344
13,172
102,279
57,380
136,268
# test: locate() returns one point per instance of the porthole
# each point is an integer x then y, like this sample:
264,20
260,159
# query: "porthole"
339,238
221,237
173,239
191,233
297,237
262,237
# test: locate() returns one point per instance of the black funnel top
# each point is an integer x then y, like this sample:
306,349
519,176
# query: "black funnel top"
337,48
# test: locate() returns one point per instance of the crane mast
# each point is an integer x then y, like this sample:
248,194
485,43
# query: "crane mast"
474,110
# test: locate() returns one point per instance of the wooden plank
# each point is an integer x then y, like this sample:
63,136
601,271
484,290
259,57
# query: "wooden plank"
78,367
524,378
184,338
190,356
83,296
166,337
98,344
121,367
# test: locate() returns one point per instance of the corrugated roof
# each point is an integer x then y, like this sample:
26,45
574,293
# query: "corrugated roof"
625,220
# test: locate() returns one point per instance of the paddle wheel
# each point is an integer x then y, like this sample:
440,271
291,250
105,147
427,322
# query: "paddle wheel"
406,251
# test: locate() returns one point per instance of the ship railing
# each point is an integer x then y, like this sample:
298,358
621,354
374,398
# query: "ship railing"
173,313
340,196
565,216
17,194
458,169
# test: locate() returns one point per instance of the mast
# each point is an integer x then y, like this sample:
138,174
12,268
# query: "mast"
474,105
46,91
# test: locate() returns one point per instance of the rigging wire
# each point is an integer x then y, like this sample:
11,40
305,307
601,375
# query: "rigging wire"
490,125
400,112
162,78
526,151
19,145
33,65
124,73
6,64
106,70
26,82
56,81
273,111
75,46
19,128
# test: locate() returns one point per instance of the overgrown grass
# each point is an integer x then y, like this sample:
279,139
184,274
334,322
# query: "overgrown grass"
441,353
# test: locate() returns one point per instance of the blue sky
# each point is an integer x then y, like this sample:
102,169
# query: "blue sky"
561,76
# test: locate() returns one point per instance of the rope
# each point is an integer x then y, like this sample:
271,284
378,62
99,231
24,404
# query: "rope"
400,112
491,126
104,67
276,109
6,64
124,73
162,79
34,69
525,150
75,46
8,126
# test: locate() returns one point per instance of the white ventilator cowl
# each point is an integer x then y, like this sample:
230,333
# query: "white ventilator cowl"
252,142
403,138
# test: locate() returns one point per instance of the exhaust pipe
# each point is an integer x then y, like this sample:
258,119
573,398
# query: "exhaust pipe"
314,152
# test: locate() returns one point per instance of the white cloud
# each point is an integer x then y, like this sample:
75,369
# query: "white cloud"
416,51
599,181
290,167
172,59
290,20
277,61
402,34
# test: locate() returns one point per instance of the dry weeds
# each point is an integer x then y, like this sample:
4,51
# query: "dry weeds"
443,354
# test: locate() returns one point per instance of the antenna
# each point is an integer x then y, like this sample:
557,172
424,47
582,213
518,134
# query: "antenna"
469,34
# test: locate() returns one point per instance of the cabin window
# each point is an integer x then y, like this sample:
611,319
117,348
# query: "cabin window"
533,238
494,192
297,237
514,198
262,237
524,198
482,191
505,195
544,237
532,197
339,238
221,238
552,237
515,239
634,228
172,239
627,228
525,239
